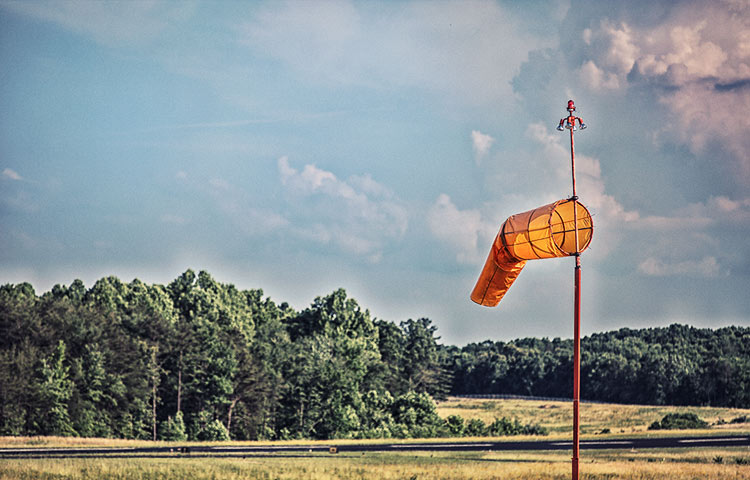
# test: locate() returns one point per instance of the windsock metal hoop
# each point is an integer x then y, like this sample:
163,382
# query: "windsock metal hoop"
548,231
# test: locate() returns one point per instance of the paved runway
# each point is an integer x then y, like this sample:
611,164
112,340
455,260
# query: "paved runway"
333,447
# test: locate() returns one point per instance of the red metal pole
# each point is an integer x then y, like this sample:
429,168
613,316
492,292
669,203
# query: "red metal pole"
576,365
576,309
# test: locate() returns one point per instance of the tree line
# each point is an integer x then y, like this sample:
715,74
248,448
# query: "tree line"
676,365
203,360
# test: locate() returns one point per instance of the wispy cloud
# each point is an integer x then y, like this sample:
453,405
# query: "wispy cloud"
358,215
707,267
239,209
460,230
11,175
114,24
420,44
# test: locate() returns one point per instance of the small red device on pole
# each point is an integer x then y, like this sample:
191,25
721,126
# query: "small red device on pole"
570,123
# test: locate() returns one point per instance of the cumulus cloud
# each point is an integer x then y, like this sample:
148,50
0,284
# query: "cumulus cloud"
702,115
696,62
685,48
312,180
596,78
481,143
358,216
613,48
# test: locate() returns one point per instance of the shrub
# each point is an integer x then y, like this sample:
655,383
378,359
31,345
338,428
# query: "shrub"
476,428
455,425
173,429
216,432
503,426
205,429
678,421
417,413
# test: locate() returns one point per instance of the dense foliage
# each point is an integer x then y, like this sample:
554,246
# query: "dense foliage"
201,360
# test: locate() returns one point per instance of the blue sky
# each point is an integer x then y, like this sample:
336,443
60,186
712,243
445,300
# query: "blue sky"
300,147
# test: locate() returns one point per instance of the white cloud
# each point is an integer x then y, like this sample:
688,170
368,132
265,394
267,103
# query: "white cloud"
312,180
359,216
619,51
684,48
11,174
481,143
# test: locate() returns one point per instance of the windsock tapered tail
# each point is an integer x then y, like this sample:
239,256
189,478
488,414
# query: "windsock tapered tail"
545,232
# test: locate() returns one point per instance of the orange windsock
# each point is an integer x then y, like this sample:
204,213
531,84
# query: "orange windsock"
545,232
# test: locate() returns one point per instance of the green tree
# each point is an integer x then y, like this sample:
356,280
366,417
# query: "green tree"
421,361
90,400
334,356
54,389
215,330
391,342
18,364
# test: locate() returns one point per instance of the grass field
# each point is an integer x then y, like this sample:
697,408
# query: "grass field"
631,420
703,464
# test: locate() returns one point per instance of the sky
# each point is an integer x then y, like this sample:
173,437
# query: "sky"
301,147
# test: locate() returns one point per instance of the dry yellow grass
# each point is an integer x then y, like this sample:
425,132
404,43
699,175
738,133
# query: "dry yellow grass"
595,417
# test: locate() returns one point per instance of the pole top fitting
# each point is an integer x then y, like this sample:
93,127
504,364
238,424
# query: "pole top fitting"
571,122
